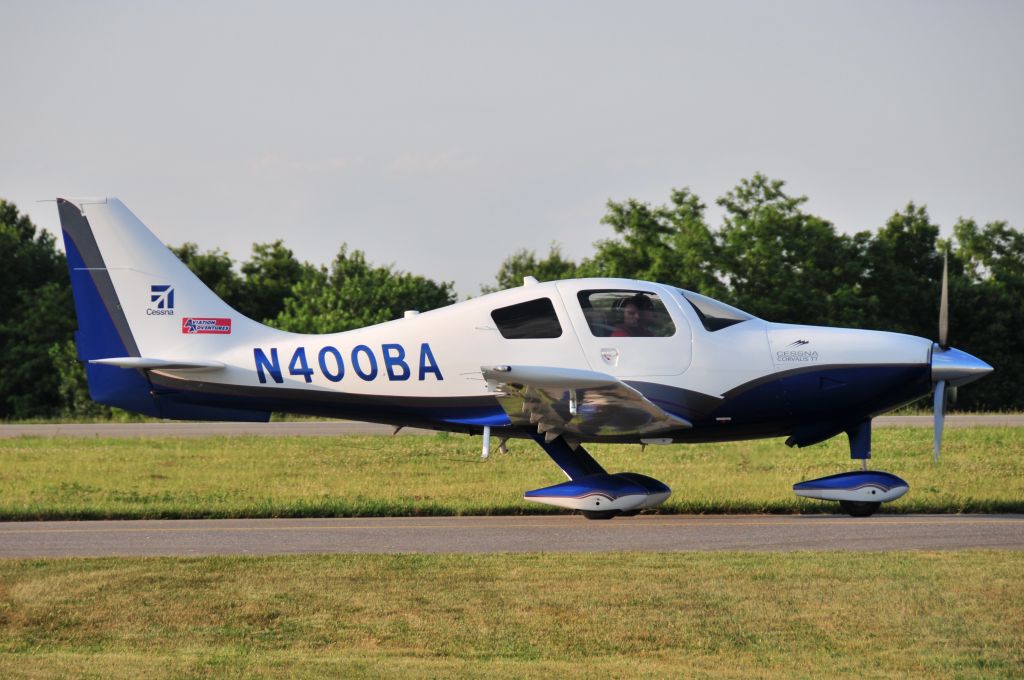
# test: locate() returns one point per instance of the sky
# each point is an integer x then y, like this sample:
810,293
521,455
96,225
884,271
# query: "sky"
442,136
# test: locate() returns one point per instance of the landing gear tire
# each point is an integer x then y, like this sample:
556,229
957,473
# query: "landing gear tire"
599,514
859,508
630,513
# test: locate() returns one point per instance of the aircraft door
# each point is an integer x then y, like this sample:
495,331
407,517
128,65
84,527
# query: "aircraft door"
633,331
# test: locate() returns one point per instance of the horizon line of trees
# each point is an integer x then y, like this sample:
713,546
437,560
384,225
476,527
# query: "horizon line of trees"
769,257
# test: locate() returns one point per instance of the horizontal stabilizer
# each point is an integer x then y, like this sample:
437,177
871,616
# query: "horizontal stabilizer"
164,364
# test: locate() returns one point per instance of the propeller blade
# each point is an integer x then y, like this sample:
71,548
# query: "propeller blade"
940,415
944,304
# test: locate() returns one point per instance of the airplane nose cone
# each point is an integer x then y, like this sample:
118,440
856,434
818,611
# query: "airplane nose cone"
956,367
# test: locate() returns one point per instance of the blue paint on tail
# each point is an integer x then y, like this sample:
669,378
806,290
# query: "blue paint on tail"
97,338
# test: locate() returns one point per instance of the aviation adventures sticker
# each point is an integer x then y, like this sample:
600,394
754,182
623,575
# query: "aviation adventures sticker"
190,325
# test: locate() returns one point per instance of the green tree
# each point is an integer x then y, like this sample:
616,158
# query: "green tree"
668,244
993,253
35,313
269,277
72,386
523,263
782,263
216,269
903,273
354,293
640,241
987,310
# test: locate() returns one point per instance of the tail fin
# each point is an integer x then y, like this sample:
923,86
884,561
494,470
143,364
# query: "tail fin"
140,307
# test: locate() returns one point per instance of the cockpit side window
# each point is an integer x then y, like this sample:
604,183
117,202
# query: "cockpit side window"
626,313
714,315
533,319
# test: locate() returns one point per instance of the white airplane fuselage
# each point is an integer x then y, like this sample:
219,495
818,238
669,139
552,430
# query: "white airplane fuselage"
749,379
566,361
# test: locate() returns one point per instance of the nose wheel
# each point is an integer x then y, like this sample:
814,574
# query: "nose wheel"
860,493
859,508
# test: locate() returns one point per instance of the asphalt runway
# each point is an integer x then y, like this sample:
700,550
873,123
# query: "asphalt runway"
486,534
341,427
566,533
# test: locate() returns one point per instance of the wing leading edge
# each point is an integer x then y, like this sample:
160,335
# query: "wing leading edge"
576,403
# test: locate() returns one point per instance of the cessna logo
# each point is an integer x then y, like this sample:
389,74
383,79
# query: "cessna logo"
797,355
801,355
163,296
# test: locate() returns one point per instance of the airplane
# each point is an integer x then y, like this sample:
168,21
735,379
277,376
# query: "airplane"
564,363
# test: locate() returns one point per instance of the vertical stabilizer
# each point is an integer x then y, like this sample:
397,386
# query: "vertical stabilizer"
135,299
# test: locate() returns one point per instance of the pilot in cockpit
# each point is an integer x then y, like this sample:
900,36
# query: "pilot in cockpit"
633,317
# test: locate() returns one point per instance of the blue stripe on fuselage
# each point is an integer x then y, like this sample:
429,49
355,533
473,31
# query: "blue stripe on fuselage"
486,411
770,407
776,402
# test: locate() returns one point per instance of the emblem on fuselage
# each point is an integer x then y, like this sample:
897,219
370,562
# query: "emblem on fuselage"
163,296
191,325
796,355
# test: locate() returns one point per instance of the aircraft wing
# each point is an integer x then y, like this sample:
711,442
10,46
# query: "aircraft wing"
576,403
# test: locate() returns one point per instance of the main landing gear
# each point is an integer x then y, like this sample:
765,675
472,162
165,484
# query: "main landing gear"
862,492
590,489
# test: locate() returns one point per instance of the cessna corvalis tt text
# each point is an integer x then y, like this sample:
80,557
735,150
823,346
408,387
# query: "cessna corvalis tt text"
563,363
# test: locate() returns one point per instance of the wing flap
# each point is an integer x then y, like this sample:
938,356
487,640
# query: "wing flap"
577,403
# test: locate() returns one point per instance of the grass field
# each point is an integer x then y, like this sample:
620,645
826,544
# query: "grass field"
717,615
982,470
926,615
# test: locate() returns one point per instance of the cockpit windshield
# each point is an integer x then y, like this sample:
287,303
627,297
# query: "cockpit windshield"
713,314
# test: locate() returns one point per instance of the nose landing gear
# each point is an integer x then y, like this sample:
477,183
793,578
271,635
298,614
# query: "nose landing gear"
862,492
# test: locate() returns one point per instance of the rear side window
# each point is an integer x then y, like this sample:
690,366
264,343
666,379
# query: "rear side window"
535,319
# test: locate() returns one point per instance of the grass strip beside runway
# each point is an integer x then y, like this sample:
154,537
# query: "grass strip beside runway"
922,615
982,470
